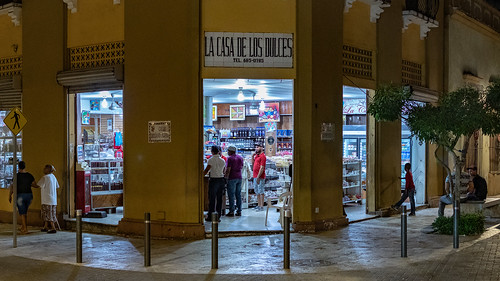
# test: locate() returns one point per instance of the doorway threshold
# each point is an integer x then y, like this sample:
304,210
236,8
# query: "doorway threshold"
250,223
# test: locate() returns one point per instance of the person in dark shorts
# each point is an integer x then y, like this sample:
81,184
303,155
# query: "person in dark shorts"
25,181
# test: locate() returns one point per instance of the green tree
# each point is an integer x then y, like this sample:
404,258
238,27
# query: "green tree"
456,115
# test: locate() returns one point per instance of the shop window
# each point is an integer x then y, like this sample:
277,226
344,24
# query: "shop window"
7,153
495,154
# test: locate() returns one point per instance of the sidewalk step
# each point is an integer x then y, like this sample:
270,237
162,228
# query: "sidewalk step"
92,227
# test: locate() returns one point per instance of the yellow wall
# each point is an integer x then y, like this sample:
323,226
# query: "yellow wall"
358,30
268,16
162,83
44,137
96,21
413,47
9,35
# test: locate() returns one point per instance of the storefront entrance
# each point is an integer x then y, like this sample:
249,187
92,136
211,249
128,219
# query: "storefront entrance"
96,144
245,114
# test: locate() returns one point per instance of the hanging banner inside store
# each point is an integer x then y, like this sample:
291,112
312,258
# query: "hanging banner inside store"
354,106
214,113
159,132
237,113
228,49
85,117
95,105
270,112
271,126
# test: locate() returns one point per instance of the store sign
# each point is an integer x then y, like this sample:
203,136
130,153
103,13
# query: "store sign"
355,106
228,49
159,131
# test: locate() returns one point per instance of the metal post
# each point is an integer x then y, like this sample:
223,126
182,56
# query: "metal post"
147,239
215,240
14,197
456,219
286,234
79,236
404,239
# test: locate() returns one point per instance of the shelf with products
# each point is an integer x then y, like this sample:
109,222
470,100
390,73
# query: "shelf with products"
352,181
106,175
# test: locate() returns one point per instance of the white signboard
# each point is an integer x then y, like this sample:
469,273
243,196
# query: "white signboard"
159,131
228,49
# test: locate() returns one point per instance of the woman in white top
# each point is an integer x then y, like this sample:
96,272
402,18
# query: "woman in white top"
49,185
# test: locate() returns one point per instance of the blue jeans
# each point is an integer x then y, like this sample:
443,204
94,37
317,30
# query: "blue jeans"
443,201
405,195
234,189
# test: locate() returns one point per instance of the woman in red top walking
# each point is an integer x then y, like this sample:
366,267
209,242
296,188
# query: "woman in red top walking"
409,191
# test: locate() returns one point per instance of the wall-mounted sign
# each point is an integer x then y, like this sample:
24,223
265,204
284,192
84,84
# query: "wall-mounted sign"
270,112
327,132
237,113
159,131
354,106
228,49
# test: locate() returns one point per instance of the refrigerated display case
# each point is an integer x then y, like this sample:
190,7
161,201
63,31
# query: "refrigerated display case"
362,149
351,148
405,158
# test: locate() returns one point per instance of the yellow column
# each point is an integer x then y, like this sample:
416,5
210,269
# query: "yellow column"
318,99
162,83
384,138
44,101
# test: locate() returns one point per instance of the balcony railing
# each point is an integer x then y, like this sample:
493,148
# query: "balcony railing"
480,11
428,8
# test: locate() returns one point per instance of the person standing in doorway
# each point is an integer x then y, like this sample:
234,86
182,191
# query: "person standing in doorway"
49,185
233,175
217,182
409,191
259,175
25,181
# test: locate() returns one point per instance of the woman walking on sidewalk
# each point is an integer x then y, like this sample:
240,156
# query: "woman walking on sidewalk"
49,185
409,191
25,181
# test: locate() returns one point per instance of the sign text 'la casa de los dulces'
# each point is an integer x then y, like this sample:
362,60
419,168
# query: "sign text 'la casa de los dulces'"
228,49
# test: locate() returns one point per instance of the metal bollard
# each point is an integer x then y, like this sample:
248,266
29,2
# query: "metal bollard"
404,239
456,219
215,240
147,239
286,241
79,236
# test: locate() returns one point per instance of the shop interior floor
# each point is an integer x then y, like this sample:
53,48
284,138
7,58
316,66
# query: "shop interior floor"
250,221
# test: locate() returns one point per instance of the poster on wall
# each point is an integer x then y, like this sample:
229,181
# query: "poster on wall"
159,132
354,106
237,112
270,112
85,117
230,49
95,105
214,113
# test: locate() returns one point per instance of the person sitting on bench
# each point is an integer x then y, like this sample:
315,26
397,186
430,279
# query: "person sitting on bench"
464,188
479,186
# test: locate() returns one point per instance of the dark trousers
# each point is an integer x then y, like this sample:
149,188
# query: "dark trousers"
215,192
405,195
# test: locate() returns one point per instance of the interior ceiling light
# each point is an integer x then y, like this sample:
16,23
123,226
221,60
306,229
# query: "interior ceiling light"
104,103
104,94
241,97
112,106
262,105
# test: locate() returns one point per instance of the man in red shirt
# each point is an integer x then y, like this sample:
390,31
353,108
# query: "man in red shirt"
409,191
259,175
